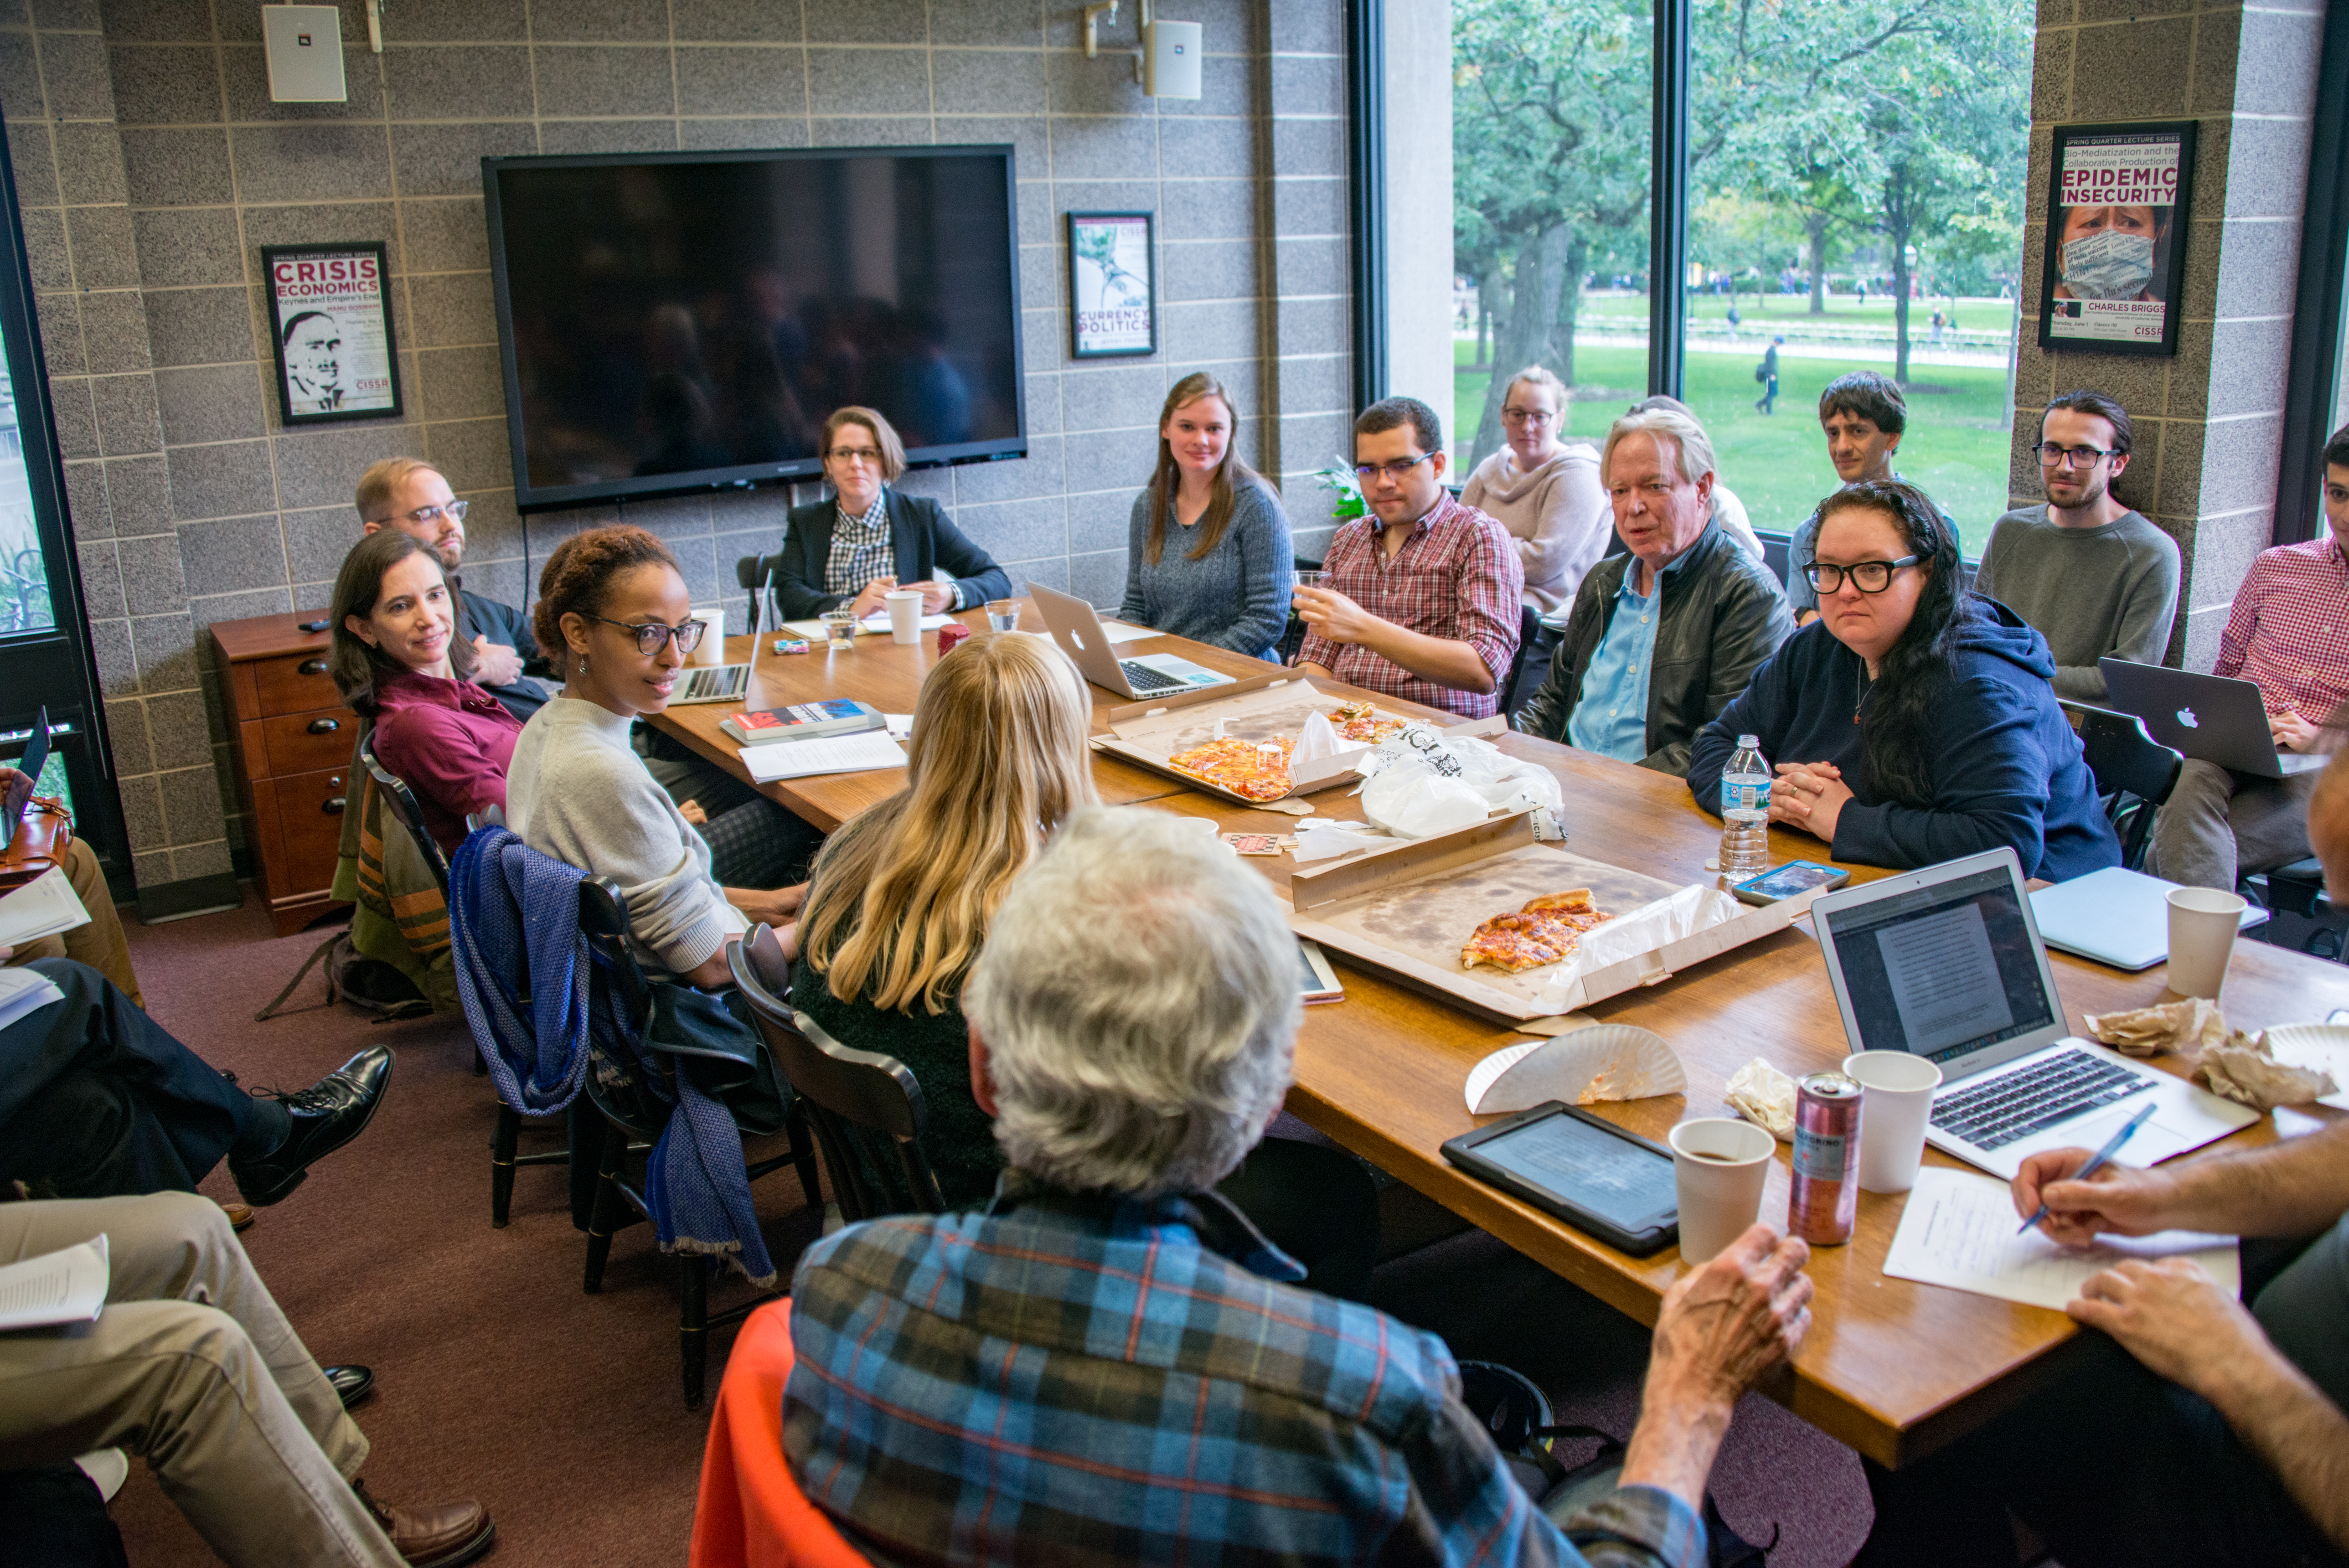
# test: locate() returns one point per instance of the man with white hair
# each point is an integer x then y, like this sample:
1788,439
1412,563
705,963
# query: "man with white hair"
1104,1364
1662,639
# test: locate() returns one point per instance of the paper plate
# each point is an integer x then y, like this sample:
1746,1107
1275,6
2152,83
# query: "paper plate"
1604,1062
2323,1046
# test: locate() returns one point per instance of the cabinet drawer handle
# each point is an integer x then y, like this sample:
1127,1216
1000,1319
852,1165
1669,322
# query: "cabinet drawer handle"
311,667
332,807
325,726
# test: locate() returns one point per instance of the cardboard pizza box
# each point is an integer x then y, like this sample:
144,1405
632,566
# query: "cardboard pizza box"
1260,708
1407,910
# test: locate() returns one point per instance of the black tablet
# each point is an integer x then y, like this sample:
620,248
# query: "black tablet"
1589,1172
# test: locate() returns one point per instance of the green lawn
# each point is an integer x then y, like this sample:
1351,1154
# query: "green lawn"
1956,447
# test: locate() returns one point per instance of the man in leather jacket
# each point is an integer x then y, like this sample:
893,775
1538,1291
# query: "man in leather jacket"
1660,639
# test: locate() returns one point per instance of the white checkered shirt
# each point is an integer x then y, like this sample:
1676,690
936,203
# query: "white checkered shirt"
860,547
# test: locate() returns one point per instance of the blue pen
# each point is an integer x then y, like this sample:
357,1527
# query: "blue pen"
2096,1160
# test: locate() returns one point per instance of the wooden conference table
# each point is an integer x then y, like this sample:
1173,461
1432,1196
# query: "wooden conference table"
1894,1368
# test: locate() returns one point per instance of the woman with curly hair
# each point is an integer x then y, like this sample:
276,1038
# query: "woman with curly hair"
1912,723
614,605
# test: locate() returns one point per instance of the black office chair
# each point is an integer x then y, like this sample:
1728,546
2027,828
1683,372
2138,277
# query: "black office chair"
1528,628
1292,635
402,801
867,1109
635,1117
2134,773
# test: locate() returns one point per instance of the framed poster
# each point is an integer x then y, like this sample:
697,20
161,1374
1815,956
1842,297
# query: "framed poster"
1113,285
2116,217
331,322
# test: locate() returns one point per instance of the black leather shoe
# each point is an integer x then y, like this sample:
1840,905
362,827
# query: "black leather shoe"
327,1115
351,1384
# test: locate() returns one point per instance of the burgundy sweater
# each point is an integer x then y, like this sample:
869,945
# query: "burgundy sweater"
450,741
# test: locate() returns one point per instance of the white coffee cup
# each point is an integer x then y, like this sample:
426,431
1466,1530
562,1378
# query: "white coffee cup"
1898,1101
2202,926
711,648
905,614
1718,1166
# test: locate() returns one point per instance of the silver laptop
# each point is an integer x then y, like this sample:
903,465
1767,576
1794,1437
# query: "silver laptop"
1946,963
2114,916
2210,718
1078,630
726,682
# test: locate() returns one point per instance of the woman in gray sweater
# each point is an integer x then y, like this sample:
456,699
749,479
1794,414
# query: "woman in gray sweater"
1208,555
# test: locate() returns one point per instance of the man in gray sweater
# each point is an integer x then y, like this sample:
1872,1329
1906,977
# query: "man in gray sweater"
2090,575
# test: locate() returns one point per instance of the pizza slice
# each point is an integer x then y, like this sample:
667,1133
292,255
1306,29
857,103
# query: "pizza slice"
1547,931
1361,722
1253,769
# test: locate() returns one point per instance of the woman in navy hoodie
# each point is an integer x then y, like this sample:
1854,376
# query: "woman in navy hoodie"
1912,723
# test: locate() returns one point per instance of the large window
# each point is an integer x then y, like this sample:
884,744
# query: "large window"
24,603
1855,199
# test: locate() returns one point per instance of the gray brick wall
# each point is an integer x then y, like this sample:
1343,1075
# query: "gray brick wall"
152,166
2208,421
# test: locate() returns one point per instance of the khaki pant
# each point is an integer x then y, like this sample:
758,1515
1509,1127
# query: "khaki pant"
99,944
193,1366
2217,826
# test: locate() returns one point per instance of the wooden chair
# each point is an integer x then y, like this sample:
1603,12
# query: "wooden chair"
402,801
2134,773
867,1110
634,1118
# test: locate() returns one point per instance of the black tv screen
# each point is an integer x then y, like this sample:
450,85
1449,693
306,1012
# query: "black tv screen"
673,322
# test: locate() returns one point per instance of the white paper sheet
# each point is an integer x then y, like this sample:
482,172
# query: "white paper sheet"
1959,1231
879,621
55,1288
1118,631
861,752
24,990
900,726
41,907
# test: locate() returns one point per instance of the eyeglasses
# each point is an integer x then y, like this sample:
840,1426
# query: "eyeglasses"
424,515
856,454
1528,416
1867,577
651,634
1398,471
2053,456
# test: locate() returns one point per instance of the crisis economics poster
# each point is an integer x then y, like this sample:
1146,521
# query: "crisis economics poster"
332,328
2116,237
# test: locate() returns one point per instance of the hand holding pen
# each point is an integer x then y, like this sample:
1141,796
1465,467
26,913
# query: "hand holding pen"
2046,1169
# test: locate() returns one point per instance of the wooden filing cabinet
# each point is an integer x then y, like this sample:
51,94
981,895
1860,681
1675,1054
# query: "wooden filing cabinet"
291,739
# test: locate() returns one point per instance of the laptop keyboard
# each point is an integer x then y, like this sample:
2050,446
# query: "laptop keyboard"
2016,1105
1146,680
726,682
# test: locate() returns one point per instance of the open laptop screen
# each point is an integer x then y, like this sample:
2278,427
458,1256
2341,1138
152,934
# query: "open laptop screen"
1941,971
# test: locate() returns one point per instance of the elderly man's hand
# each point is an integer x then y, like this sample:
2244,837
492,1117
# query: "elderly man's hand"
1724,1325
2173,1318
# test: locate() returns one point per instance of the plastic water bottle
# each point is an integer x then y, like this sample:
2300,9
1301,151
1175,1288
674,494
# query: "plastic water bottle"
1745,811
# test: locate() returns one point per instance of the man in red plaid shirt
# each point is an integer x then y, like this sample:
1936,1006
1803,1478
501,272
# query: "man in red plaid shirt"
2289,635
1420,598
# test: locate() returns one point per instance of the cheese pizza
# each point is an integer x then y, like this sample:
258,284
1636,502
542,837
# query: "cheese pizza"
1547,931
1253,769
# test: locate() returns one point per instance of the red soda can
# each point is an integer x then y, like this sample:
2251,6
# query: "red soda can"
1825,1197
950,636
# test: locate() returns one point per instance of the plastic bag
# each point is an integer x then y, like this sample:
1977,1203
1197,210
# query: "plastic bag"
1427,783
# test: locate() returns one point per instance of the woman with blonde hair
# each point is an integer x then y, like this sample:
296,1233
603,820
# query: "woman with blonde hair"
1207,551
1544,490
900,905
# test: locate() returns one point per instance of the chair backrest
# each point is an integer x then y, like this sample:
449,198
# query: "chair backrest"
604,921
866,1109
400,801
2134,773
1528,628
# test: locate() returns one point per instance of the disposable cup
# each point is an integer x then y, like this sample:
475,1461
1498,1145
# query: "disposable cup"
711,648
1719,1165
1897,1102
905,614
2202,926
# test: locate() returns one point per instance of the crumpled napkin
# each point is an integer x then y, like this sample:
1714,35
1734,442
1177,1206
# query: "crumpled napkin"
2193,1025
1764,1096
2243,1069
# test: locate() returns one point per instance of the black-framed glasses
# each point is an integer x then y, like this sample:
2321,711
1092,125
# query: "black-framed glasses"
1867,577
423,516
2054,456
1398,470
651,634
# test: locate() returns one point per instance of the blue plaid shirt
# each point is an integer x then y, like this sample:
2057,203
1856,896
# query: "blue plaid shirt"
1086,1379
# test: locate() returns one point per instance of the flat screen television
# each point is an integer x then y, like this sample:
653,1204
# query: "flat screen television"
675,322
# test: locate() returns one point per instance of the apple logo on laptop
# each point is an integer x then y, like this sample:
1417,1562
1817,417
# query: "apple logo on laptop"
2185,717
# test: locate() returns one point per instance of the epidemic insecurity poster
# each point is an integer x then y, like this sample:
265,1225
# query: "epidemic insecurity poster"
2117,238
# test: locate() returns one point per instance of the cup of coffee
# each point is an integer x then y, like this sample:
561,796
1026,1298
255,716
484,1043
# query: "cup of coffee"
1718,1166
2202,926
711,648
1897,1101
905,614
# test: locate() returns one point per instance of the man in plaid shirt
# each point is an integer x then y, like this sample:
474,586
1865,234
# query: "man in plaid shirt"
1109,1365
2289,635
1420,598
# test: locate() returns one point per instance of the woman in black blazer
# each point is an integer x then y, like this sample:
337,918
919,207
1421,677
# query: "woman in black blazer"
867,538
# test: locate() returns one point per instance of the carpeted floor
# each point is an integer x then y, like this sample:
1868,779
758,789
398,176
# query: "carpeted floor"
497,1378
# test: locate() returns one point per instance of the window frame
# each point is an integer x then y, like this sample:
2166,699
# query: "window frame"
2313,379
